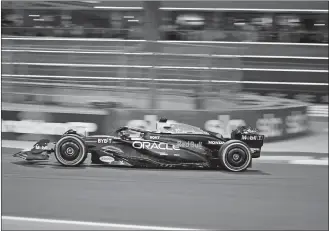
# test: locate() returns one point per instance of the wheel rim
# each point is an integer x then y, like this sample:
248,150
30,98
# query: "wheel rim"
236,159
69,151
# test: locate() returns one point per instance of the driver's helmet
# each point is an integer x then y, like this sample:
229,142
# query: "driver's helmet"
163,126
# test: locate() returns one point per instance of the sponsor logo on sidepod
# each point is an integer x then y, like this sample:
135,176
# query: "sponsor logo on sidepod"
104,141
148,145
154,137
106,159
215,142
189,144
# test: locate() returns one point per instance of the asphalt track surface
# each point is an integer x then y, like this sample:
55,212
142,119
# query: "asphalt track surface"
269,196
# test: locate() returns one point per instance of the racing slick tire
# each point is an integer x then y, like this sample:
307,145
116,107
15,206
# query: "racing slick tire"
235,156
70,151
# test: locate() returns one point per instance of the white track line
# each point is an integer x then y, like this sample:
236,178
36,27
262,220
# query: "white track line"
215,9
162,80
284,158
90,224
323,161
166,67
238,9
298,160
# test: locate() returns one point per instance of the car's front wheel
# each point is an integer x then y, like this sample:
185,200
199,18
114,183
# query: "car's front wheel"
235,156
70,150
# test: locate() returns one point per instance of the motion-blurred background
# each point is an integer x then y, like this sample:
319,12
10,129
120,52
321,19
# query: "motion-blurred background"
96,66
167,55
277,21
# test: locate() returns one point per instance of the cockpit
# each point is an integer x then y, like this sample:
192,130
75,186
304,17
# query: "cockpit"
163,126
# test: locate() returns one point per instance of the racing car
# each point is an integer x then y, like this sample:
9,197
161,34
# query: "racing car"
171,144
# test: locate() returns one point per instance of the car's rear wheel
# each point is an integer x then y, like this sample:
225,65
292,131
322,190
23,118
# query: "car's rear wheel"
235,156
70,151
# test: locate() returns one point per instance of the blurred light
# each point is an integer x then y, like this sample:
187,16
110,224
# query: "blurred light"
217,9
118,8
128,16
319,24
38,19
293,20
133,20
194,20
92,2
66,17
239,23
244,9
262,21
34,15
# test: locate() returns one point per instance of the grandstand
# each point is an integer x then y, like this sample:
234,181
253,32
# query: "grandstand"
196,72
188,70
215,21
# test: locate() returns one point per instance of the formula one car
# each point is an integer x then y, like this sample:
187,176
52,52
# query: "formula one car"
170,145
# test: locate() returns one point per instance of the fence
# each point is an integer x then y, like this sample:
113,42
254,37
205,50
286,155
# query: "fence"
99,44
267,68
121,68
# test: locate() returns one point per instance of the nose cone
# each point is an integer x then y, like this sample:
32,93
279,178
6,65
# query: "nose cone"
22,154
